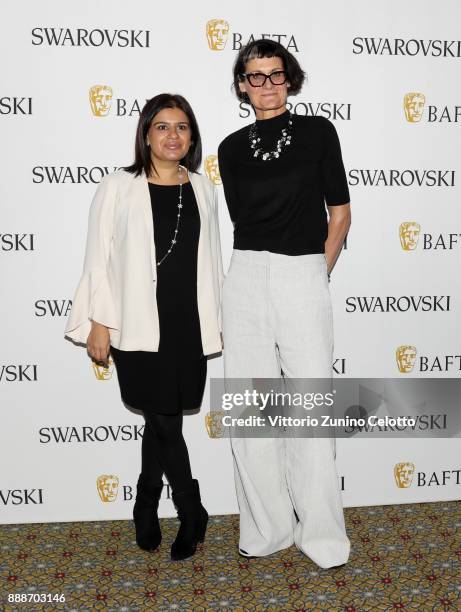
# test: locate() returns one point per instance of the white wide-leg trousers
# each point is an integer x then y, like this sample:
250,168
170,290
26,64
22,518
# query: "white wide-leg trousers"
277,316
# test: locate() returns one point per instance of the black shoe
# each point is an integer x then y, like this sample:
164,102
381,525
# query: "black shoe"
243,553
194,519
148,534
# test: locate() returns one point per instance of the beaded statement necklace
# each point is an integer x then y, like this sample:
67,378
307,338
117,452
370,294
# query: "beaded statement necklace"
178,218
282,142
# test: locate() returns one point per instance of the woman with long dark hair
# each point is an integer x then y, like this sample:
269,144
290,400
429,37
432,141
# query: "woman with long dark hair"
149,296
280,174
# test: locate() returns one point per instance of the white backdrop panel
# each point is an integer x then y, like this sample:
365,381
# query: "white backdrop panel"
51,400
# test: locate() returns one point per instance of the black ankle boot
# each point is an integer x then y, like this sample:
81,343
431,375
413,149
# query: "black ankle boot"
148,534
194,519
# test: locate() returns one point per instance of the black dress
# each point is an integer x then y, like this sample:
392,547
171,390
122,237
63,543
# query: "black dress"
172,379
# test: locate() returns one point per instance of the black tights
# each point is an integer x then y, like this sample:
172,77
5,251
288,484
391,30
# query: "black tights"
164,451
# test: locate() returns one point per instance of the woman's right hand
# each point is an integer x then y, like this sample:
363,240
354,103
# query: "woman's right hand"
98,343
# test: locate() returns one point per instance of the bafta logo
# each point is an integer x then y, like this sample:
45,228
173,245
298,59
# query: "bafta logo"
100,100
409,233
217,31
212,169
214,426
103,372
107,485
406,356
403,474
413,104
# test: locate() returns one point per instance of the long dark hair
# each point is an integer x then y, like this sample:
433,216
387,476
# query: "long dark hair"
142,153
268,48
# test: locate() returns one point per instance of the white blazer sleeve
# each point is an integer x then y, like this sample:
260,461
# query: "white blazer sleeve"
217,250
93,299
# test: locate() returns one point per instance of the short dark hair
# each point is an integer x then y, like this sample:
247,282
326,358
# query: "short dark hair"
268,48
142,153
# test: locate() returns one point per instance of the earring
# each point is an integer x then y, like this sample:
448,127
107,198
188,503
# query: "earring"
147,143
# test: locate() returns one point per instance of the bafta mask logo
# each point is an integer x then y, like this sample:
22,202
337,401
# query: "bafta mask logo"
107,485
409,233
403,474
100,100
214,426
212,169
103,372
217,31
413,104
406,356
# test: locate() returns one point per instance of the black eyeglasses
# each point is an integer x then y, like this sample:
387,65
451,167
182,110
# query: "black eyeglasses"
258,79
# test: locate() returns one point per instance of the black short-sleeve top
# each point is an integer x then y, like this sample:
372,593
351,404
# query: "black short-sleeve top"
278,205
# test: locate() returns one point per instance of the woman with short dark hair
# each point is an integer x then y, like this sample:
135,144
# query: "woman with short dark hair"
150,296
279,176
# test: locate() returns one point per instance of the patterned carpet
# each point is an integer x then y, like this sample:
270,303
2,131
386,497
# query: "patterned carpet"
403,558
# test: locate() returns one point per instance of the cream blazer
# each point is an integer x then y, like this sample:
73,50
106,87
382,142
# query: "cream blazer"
118,286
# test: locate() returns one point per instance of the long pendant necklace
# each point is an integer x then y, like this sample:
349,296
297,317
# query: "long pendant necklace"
282,142
178,218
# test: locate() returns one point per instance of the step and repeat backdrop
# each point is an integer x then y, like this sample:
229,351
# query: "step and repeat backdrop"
74,78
